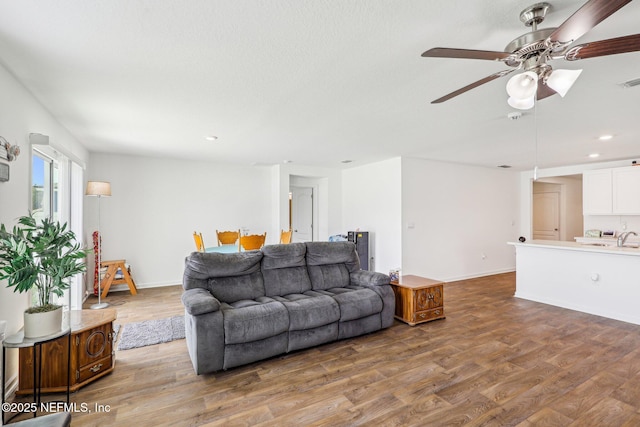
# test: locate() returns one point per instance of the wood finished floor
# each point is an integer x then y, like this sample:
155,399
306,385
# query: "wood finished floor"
495,360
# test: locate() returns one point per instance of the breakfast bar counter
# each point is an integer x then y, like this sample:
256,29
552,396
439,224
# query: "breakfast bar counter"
600,280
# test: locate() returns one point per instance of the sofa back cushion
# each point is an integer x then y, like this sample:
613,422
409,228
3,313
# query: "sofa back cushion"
229,277
330,263
284,269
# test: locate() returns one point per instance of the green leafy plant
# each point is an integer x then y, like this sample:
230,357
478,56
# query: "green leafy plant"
41,255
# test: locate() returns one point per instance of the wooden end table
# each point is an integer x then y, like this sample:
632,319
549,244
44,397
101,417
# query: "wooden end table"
92,355
418,299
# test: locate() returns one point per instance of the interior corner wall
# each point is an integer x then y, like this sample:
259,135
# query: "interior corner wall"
457,219
21,114
372,196
157,204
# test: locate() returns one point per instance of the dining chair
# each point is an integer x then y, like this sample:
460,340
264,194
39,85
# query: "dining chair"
285,236
252,241
197,237
227,237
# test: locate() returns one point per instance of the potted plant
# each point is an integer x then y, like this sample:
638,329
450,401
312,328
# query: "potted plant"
40,255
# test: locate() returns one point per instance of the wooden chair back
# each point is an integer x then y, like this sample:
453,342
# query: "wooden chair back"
252,241
227,237
197,238
285,236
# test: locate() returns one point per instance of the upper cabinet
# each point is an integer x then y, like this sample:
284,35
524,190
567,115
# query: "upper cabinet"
626,190
597,197
611,191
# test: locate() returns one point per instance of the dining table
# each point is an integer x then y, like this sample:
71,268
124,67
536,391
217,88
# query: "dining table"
223,249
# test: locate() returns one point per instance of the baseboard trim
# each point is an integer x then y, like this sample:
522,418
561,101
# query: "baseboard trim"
477,275
125,288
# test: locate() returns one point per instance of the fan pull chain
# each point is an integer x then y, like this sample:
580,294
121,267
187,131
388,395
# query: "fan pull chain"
535,125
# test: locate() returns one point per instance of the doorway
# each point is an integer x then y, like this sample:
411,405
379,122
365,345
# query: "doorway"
557,203
546,213
301,213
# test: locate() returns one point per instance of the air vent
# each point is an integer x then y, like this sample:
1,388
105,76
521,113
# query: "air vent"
504,166
631,83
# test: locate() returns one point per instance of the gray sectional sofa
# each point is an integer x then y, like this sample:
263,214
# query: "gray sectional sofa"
248,306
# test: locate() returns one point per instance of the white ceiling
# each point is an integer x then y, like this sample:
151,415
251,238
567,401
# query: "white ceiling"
311,81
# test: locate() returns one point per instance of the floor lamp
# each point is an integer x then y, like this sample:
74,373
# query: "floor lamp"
99,189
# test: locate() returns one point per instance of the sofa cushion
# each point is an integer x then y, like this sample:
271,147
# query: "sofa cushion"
229,277
252,320
306,312
328,276
330,263
355,303
284,269
232,289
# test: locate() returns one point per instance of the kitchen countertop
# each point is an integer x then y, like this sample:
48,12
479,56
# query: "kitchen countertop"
607,240
575,246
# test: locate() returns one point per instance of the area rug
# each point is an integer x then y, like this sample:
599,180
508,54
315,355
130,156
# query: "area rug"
150,332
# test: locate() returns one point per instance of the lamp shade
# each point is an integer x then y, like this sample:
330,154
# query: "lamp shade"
98,188
562,80
521,104
523,85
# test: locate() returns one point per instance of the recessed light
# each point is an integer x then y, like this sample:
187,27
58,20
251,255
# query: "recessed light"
346,161
211,138
594,155
605,137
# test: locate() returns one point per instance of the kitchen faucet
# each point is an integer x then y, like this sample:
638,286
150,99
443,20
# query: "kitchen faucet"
623,237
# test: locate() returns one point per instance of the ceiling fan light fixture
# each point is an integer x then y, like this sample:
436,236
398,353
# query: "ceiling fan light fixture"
523,86
562,80
521,104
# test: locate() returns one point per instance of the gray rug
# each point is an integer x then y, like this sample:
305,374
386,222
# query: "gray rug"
150,332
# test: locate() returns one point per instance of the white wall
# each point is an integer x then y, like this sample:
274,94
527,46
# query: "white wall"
618,223
157,204
457,219
372,198
21,114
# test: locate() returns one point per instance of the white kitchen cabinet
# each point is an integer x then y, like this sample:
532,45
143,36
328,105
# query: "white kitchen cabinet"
597,192
611,191
626,190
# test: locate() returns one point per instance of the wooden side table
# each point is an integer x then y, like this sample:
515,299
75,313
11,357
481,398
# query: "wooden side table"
35,347
91,357
418,299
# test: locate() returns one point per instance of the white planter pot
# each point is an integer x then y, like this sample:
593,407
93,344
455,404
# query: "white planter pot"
42,324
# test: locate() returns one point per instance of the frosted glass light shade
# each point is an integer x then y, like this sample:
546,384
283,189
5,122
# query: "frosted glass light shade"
521,104
562,80
523,85
98,188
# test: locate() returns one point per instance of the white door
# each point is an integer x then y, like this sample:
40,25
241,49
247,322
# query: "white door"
302,214
546,216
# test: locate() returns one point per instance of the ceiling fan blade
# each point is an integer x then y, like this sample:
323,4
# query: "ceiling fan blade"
604,47
544,91
584,19
445,52
472,85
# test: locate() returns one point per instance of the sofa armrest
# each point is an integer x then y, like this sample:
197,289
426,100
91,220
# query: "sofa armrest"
369,278
199,301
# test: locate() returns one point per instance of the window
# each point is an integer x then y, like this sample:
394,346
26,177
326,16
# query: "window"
56,193
45,184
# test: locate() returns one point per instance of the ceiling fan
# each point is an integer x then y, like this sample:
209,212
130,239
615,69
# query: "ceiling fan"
531,51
